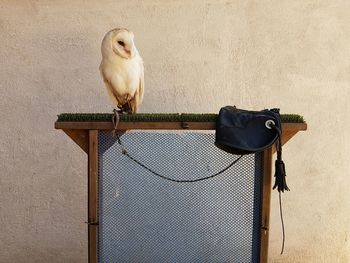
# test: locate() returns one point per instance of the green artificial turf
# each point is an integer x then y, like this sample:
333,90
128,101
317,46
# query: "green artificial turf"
187,117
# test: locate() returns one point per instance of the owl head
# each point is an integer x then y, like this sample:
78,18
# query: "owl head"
119,41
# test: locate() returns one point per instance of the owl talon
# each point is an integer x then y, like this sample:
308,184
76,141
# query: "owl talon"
119,111
125,109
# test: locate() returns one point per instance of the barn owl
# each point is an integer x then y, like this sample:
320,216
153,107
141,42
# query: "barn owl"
122,69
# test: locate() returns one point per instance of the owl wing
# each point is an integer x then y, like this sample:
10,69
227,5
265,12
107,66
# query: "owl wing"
138,97
141,88
110,90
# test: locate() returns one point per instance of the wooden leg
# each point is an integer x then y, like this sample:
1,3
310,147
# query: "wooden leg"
265,205
92,195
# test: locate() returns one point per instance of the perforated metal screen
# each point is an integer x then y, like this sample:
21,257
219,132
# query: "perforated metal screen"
144,218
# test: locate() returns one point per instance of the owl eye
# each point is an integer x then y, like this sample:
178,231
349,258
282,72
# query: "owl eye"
121,43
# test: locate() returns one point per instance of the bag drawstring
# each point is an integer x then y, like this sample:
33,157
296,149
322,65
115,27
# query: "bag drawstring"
280,178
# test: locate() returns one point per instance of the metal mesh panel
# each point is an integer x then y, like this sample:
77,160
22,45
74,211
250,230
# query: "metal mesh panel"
144,218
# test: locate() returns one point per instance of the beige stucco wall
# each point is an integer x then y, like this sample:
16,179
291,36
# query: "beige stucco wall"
199,55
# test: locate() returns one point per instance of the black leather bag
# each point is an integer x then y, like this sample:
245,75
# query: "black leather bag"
244,132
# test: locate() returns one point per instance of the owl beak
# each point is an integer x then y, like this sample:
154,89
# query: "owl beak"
130,52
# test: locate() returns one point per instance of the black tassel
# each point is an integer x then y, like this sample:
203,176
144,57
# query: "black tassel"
280,176
280,170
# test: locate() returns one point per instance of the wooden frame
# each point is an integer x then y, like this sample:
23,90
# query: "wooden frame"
93,196
85,134
265,205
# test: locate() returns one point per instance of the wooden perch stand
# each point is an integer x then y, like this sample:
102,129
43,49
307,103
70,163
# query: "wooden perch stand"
85,135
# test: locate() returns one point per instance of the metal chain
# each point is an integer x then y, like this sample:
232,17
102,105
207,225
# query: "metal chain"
125,152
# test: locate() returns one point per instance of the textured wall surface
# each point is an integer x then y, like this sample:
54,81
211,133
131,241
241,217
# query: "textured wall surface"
199,55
